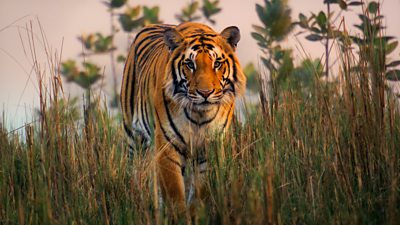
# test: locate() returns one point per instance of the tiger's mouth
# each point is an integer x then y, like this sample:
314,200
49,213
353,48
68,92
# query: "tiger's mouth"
205,100
188,96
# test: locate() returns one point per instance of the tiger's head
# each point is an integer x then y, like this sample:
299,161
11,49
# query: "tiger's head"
202,68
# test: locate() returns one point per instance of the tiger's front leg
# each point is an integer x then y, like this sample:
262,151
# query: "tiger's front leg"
169,171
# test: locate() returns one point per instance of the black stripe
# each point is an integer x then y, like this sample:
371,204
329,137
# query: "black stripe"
174,161
201,34
150,52
146,84
147,51
124,85
196,47
143,105
183,29
180,151
160,28
229,67
152,40
189,118
144,116
209,46
204,38
193,41
171,122
201,123
227,116
229,82
174,75
234,67
128,131
146,29
132,72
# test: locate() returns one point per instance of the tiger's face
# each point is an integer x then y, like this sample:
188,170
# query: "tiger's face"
204,69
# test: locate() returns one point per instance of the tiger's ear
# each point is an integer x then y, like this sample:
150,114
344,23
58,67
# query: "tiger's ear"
172,38
231,35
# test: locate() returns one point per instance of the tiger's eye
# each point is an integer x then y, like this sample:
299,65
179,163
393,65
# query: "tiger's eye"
190,65
217,64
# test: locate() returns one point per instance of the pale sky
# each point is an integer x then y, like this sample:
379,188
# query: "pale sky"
63,20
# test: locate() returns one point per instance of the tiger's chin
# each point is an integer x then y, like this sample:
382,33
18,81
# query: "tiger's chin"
199,105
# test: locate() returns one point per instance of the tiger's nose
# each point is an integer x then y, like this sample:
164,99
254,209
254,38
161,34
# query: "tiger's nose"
204,92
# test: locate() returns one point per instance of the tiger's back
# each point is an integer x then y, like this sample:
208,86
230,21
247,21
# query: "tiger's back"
145,62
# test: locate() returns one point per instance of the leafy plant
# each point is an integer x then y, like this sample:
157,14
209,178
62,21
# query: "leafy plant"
210,8
251,73
128,19
320,26
276,25
374,46
189,13
85,77
97,43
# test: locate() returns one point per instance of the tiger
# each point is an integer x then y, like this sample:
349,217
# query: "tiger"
179,85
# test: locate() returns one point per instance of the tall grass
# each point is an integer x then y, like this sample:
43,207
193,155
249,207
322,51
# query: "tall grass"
331,156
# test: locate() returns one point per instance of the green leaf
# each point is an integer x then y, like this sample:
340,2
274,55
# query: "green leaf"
84,78
268,64
314,37
102,44
151,15
210,8
355,3
315,30
262,45
391,47
393,64
373,7
87,41
259,29
133,12
117,3
69,69
342,4
188,13
138,23
357,40
126,22
393,75
322,21
261,14
303,22
258,37
121,58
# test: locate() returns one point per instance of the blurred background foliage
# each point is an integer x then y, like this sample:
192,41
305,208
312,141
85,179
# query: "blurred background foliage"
125,18
276,24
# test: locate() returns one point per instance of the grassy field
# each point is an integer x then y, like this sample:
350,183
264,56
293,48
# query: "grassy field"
327,155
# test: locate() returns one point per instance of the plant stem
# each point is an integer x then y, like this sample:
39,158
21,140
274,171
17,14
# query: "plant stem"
327,41
112,59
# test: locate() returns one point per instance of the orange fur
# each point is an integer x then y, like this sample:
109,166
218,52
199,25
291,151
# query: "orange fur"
179,85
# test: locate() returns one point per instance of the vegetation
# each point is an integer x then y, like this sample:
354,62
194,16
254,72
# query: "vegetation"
322,153
128,19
